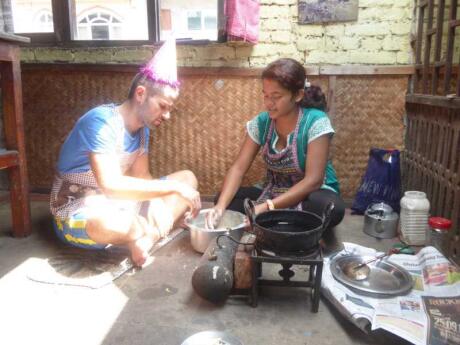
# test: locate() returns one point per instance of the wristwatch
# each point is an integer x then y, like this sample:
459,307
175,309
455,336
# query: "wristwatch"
270,204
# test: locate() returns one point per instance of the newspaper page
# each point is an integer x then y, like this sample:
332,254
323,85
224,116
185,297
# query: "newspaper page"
443,319
406,316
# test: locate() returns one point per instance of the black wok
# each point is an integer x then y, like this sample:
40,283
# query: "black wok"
286,231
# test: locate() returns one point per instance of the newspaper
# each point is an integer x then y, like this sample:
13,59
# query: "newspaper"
428,314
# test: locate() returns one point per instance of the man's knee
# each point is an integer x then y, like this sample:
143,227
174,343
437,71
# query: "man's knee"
113,229
188,177
94,227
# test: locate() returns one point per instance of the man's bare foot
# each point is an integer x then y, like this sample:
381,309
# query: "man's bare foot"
140,250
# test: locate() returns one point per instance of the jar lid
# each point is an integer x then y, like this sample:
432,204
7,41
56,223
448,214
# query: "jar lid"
440,223
415,194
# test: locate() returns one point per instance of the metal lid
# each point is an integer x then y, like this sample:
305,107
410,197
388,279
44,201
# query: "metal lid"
381,210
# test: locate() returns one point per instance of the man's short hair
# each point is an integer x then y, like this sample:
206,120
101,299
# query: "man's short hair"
153,88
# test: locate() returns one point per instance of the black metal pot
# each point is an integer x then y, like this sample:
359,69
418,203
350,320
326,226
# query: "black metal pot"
287,231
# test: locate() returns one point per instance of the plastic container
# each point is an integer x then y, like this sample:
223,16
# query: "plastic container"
415,209
439,233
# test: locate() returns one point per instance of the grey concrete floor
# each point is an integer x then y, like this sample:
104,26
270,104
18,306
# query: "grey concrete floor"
157,305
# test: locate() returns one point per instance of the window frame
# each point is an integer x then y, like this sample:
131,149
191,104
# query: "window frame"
64,12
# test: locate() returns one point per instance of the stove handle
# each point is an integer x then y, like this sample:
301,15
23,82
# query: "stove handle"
249,208
327,215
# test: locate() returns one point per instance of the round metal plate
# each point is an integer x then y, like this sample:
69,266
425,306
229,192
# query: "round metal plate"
212,338
385,278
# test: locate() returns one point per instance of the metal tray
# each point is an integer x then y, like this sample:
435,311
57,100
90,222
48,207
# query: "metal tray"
385,278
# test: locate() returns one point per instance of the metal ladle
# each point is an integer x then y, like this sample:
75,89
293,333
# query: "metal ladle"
362,270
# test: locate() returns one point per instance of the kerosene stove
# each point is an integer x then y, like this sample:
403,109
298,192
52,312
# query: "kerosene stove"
313,259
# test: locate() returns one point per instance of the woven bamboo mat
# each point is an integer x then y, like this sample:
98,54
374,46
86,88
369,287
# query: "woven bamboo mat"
369,113
206,132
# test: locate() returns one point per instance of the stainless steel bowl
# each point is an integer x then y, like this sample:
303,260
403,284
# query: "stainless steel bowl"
212,338
231,221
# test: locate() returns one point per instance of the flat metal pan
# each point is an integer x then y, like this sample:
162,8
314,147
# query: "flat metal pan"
385,278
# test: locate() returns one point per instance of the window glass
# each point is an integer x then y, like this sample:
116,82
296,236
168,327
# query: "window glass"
120,19
194,20
111,20
188,19
210,23
32,16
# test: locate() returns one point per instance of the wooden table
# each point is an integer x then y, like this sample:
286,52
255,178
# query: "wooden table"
12,157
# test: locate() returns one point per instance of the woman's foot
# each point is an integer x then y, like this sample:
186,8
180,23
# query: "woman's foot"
140,250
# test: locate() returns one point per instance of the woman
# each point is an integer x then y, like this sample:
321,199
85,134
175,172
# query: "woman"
295,135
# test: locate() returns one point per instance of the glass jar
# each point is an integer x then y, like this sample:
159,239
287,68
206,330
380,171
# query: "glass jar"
439,231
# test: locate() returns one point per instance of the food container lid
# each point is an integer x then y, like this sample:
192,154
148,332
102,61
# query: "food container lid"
440,223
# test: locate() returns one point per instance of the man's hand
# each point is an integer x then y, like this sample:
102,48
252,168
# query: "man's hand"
213,217
192,197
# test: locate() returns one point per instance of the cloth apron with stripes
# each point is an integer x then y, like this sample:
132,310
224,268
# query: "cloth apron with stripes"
70,190
283,168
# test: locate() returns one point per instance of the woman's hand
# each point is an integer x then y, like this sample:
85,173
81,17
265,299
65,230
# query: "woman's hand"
261,208
213,217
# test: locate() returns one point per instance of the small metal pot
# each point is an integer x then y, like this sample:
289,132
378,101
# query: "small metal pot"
231,222
380,221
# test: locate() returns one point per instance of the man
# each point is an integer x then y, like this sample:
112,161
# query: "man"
103,192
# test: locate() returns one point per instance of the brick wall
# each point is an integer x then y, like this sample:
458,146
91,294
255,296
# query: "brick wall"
379,36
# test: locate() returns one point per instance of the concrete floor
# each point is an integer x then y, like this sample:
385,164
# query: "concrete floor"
157,305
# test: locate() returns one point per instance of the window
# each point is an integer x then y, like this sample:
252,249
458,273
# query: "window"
210,23
194,20
33,17
191,19
111,20
44,21
116,22
99,25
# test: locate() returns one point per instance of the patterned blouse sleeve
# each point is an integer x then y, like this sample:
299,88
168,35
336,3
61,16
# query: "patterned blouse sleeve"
320,127
253,130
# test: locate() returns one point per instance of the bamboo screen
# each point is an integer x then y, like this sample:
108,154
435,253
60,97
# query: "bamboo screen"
436,48
432,157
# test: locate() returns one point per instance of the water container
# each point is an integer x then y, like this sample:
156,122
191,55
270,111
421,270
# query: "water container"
414,216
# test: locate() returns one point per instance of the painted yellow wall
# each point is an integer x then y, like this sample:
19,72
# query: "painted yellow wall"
380,36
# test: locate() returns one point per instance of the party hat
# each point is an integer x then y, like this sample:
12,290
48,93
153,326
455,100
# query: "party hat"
162,68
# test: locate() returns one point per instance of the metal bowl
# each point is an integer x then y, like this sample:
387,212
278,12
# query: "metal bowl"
200,237
212,338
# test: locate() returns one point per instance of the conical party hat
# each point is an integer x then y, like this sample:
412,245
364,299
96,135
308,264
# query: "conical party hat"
162,68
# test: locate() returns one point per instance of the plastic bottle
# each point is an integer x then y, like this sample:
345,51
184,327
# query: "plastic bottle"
439,232
415,209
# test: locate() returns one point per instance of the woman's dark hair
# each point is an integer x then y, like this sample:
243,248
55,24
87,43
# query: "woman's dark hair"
290,74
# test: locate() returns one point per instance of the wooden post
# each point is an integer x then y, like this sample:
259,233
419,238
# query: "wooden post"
11,89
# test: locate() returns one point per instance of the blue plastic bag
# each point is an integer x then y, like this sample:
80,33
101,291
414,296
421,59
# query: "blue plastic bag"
382,181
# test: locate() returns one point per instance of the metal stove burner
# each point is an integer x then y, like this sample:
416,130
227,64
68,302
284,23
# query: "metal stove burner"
312,258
